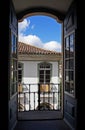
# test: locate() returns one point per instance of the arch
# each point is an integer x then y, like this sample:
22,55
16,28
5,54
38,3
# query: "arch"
41,11
45,64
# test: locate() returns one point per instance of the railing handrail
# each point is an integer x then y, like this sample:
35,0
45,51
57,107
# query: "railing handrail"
39,83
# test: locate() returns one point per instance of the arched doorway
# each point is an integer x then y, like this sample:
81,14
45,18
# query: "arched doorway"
69,28
45,70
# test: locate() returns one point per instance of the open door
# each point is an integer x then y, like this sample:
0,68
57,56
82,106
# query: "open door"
13,36
70,26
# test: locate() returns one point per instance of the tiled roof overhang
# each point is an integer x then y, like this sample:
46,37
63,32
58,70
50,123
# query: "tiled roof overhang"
27,49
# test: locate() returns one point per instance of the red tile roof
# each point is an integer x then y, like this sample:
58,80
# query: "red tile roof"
24,48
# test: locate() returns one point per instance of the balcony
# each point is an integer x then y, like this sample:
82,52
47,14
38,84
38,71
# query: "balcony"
39,97
44,112
39,101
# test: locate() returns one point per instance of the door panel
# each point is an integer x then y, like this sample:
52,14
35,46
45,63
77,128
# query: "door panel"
70,102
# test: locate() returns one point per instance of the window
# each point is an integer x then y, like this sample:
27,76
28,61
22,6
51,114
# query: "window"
44,73
69,63
44,76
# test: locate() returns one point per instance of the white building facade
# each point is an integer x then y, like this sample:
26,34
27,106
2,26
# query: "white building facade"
38,72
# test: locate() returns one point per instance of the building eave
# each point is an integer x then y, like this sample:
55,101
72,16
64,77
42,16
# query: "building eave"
48,57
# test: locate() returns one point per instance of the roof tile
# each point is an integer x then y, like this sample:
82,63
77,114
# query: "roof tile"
24,48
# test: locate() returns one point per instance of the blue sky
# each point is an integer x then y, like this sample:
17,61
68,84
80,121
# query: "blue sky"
41,31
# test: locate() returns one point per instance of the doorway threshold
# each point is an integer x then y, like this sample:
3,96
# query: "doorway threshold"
39,115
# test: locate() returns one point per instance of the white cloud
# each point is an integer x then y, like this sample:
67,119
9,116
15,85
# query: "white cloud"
53,45
31,39
22,26
36,41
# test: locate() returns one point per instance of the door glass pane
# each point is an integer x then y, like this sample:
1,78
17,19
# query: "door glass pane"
67,43
67,64
67,86
71,88
71,75
67,75
71,46
67,47
71,64
14,45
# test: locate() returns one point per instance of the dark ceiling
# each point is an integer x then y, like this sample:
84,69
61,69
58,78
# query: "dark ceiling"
24,8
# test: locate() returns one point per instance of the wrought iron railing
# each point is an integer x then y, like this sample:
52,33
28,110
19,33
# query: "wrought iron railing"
39,97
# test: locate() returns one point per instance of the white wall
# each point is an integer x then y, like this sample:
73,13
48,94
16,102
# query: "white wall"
30,74
55,71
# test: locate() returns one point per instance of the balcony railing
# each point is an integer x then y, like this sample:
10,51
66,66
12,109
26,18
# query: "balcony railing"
39,97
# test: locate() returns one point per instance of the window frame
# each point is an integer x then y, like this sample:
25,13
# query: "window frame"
44,69
69,69
13,65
